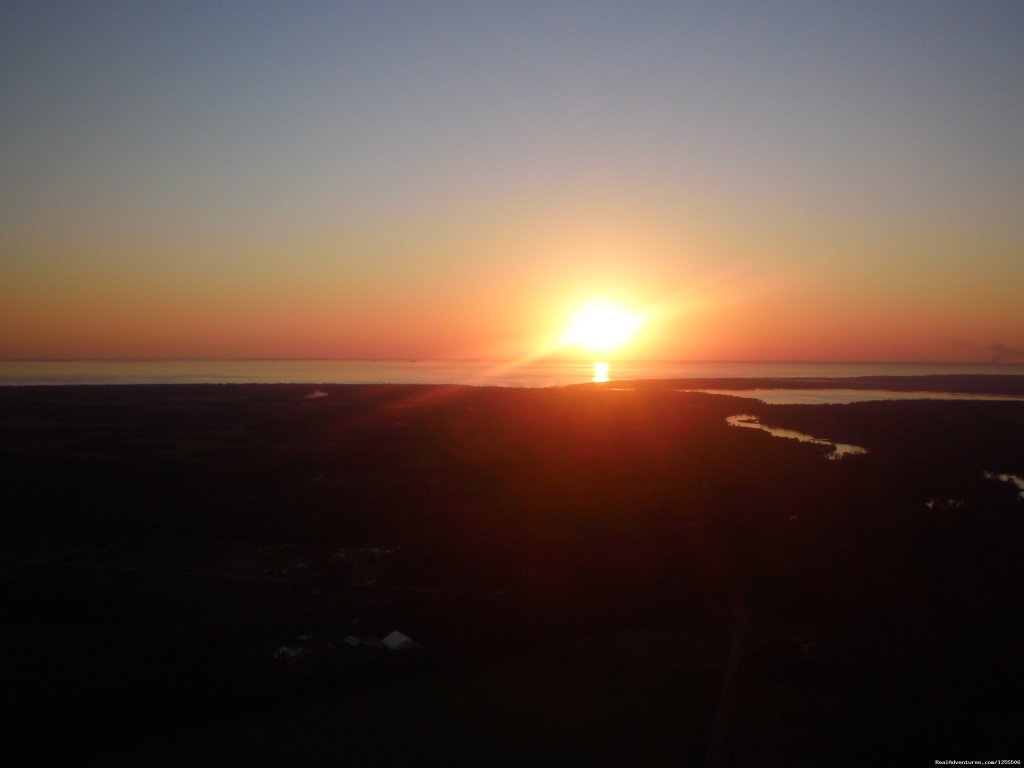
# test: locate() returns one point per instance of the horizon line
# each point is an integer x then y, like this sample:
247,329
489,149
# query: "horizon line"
414,360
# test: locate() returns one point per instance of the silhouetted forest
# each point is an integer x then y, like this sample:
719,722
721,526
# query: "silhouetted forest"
205,574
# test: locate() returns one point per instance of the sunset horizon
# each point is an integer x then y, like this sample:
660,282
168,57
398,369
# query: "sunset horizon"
512,383
559,358
797,182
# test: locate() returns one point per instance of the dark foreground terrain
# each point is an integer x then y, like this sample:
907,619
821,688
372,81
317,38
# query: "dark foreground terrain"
589,575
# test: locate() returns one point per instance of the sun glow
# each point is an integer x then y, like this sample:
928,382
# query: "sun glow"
601,326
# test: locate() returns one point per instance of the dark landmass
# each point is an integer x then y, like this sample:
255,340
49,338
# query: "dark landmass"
206,575
965,384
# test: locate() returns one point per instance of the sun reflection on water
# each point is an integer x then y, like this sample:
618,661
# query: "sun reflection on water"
600,373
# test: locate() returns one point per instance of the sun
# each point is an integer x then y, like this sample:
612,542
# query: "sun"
601,326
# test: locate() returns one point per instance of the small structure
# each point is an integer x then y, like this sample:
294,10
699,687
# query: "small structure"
396,641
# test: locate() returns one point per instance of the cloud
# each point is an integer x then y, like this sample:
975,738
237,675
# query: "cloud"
1001,353
997,352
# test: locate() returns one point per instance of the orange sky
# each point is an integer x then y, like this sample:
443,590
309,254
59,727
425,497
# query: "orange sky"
804,184
503,290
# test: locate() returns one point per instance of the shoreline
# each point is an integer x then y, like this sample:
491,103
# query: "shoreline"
932,384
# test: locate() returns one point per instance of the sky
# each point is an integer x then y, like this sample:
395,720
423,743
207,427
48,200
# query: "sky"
765,181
